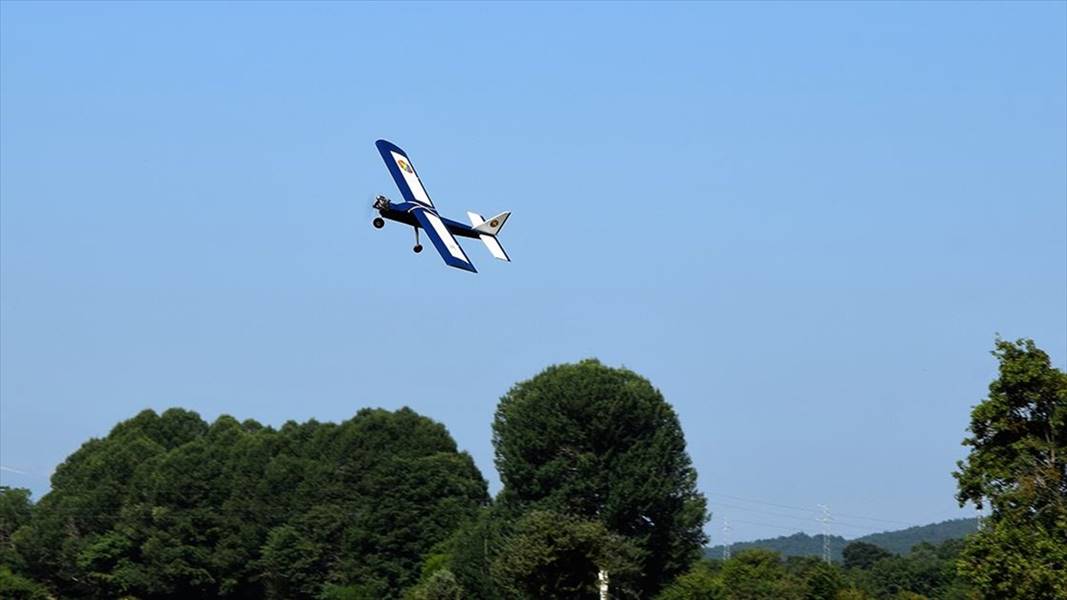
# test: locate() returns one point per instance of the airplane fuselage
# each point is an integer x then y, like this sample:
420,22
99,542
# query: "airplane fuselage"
403,213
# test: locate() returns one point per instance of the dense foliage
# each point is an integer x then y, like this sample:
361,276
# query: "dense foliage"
15,511
1018,467
870,572
601,444
554,556
861,555
168,506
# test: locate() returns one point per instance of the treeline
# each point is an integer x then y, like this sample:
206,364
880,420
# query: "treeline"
168,506
867,572
598,492
596,478
898,542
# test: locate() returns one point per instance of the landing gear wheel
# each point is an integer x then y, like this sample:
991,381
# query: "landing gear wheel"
418,246
378,222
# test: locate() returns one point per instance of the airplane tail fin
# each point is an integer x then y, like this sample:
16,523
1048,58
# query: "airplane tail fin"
492,226
487,231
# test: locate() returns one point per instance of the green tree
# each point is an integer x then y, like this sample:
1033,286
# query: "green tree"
442,585
861,555
1018,466
358,591
17,587
760,575
852,594
818,580
1007,560
927,571
602,444
168,506
469,552
702,582
15,511
552,555
69,529
899,574
290,565
412,489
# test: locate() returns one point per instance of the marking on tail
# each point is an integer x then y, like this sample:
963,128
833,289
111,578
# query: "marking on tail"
489,239
491,227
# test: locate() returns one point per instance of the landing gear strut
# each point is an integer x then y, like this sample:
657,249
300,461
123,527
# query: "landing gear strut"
418,246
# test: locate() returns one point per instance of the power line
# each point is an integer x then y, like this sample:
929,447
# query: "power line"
785,516
806,509
793,529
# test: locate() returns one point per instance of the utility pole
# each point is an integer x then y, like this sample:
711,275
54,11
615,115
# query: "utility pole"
725,539
825,519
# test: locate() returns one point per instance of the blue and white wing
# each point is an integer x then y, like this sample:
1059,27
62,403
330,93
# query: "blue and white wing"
443,240
403,173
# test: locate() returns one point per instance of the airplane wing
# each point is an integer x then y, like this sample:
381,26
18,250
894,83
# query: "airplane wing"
403,173
443,240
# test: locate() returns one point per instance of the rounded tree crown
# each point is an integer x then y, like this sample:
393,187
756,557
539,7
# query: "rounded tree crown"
601,443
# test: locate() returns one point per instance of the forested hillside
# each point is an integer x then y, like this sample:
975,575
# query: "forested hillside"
903,540
797,544
897,542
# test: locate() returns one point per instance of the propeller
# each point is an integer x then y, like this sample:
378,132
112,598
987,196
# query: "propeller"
373,208
371,211
372,201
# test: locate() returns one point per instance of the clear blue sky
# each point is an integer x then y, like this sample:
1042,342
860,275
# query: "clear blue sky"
803,222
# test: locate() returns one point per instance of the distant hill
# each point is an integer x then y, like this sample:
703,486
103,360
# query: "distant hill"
901,542
798,544
898,542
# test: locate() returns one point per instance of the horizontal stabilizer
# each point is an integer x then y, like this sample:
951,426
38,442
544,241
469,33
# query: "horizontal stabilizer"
494,247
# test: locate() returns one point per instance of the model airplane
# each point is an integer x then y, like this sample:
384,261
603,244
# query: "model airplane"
418,211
